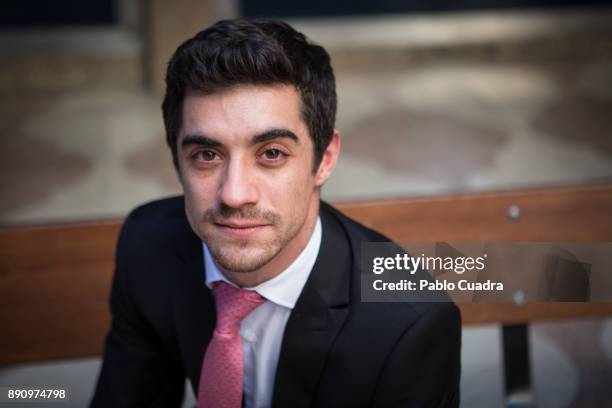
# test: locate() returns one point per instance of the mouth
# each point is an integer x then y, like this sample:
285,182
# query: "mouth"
240,229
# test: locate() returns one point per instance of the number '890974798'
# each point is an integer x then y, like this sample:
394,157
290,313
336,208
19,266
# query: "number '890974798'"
35,393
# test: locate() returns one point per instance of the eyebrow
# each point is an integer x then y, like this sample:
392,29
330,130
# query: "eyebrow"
275,134
200,139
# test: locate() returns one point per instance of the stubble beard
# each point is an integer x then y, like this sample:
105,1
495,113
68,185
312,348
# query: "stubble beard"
246,255
243,256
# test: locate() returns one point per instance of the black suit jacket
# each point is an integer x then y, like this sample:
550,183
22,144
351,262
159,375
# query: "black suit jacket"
336,351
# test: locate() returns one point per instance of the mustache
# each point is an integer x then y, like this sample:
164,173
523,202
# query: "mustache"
250,213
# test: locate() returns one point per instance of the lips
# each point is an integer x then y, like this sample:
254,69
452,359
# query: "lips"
239,225
240,229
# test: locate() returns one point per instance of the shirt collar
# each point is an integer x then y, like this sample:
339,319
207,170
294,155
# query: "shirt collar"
285,288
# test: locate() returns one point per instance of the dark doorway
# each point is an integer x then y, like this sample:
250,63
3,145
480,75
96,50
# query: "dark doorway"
37,13
319,8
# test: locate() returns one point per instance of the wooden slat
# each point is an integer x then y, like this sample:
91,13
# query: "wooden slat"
563,214
54,285
507,313
54,280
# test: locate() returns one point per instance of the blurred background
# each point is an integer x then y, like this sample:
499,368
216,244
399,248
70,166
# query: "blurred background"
434,98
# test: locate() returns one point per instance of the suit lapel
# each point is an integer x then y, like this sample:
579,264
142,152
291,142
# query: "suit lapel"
316,319
194,308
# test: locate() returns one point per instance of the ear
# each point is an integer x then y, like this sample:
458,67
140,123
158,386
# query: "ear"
329,160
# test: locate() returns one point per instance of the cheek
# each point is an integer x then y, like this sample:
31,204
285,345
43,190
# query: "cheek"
198,191
291,190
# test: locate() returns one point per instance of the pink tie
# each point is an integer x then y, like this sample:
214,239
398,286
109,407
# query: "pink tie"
221,378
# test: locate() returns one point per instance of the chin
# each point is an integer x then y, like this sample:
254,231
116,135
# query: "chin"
242,258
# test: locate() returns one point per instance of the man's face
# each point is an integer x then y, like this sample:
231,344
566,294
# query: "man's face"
245,163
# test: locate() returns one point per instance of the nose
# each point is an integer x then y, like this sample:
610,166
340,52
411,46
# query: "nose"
237,186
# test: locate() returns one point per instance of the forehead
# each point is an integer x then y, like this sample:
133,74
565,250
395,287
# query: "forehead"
242,111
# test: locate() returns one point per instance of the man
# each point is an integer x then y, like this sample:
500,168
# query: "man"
249,285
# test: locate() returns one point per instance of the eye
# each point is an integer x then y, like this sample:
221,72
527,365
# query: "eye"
273,154
205,155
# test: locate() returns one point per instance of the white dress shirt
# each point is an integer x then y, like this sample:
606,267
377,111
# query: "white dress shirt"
262,330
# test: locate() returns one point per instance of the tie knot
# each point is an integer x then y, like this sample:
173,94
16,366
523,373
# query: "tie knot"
233,305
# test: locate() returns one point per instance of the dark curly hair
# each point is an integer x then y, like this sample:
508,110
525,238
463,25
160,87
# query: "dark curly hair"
258,52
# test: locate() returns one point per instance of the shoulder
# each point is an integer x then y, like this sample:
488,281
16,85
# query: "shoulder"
155,219
401,314
159,210
154,229
149,223
153,243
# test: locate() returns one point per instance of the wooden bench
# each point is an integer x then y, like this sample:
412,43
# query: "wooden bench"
55,279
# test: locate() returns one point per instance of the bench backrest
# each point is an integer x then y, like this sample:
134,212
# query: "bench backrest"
55,280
